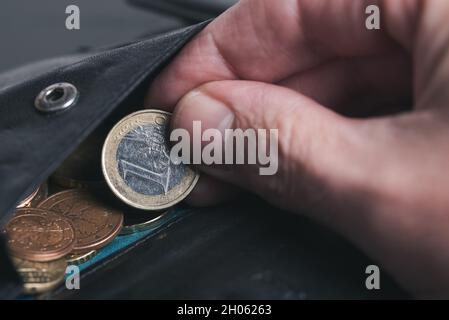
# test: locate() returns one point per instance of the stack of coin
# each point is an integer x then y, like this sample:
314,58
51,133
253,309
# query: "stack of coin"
67,227
72,225
39,240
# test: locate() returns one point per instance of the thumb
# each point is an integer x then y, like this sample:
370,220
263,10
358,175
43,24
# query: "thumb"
314,143
377,181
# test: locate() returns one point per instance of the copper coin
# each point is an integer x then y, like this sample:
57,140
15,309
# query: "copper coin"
40,277
96,224
70,183
36,234
80,258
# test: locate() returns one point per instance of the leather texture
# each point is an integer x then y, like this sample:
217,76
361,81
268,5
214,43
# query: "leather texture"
191,10
247,250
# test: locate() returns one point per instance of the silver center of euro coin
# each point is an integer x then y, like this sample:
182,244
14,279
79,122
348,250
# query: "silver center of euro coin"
143,158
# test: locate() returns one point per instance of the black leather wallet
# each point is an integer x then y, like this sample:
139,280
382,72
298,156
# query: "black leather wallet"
246,249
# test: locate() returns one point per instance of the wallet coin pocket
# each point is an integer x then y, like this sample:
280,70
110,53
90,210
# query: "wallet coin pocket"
53,122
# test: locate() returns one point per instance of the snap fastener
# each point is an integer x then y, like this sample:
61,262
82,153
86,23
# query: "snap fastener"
57,97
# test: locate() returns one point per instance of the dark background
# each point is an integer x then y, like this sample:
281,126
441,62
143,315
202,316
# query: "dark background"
32,30
228,252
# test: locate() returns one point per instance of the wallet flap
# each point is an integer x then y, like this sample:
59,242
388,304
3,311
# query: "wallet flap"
33,143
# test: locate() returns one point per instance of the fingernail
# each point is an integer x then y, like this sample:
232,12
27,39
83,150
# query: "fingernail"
199,106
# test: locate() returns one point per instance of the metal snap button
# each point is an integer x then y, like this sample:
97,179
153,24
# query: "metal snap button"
57,97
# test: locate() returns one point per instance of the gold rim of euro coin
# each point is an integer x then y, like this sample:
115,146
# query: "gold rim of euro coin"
80,258
148,223
40,277
112,174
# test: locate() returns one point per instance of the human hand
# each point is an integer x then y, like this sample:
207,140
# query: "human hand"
363,119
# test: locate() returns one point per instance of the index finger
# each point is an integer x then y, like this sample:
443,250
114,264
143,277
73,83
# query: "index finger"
266,40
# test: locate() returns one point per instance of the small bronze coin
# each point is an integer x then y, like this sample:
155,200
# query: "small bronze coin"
38,235
137,165
40,277
80,258
96,224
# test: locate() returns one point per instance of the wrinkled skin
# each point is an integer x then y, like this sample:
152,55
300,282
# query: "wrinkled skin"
363,119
